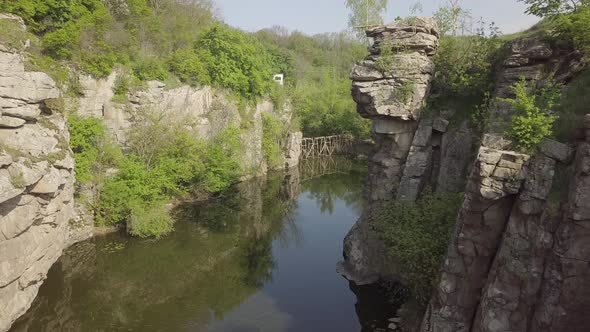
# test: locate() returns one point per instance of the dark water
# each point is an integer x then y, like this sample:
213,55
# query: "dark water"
260,259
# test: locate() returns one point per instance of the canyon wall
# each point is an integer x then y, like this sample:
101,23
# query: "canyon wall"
518,258
38,218
206,111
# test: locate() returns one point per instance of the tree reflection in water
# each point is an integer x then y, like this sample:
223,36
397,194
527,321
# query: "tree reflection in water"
330,178
219,256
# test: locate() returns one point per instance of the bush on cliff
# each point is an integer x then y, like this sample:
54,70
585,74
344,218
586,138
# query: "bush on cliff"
533,120
93,150
417,236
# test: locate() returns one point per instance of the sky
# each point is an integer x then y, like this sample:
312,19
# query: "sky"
318,16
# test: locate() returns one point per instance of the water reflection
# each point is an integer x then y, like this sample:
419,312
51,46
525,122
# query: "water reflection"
259,259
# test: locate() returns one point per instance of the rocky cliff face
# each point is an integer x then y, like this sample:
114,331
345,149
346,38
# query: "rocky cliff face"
37,212
205,110
517,259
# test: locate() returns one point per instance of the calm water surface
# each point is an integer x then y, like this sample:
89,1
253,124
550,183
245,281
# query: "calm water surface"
260,259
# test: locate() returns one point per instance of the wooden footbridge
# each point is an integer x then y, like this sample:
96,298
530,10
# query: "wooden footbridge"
325,146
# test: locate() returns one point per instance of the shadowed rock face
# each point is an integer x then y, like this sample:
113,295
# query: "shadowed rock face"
37,214
518,261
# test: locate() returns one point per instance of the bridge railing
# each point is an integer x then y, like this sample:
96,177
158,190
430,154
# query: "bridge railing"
325,146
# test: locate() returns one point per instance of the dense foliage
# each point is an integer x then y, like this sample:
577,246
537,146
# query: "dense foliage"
573,106
93,149
273,138
417,235
164,161
551,7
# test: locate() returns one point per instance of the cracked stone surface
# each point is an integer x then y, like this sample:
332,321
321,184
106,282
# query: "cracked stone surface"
36,190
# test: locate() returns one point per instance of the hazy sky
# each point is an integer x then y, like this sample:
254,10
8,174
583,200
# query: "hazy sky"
316,16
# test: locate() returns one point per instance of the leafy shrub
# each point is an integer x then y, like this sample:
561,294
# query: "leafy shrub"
150,69
465,64
18,181
150,222
533,120
386,59
417,235
93,150
121,88
165,161
273,133
574,26
222,161
98,64
573,106
405,92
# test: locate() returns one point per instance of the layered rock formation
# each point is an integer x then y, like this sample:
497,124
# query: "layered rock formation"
517,262
390,87
37,213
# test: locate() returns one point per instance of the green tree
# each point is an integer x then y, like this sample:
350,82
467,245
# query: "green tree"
365,13
552,7
451,18
236,60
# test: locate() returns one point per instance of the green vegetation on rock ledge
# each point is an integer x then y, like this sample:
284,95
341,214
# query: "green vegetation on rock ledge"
164,161
533,120
416,236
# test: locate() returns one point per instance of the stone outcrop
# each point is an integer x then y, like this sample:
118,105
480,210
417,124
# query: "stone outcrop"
392,97
37,214
390,86
536,61
293,149
516,261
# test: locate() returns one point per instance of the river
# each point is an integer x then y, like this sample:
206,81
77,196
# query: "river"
261,258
